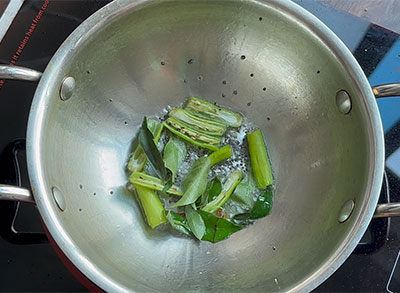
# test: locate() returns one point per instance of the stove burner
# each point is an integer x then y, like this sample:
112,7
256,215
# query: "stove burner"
393,284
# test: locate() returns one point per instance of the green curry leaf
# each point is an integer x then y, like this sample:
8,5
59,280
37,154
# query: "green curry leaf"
174,154
244,190
195,182
178,222
217,229
195,222
214,188
261,208
263,205
152,153
138,158
229,186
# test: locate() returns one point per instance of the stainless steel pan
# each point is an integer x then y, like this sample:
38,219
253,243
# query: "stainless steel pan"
272,61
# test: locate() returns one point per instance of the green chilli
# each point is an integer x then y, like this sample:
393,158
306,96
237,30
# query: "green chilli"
208,126
259,159
206,109
148,181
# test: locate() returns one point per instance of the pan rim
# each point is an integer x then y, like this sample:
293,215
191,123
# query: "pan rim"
35,135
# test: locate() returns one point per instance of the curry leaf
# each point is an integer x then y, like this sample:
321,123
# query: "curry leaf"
229,186
214,188
152,153
138,158
263,205
155,129
244,190
195,182
261,208
217,229
178,222
195,222
174,154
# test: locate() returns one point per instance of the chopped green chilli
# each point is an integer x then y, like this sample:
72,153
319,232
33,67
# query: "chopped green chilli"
196,177
207,126
193,133
223,153
152,206
203,108
145,180
259,159
191,140
229,186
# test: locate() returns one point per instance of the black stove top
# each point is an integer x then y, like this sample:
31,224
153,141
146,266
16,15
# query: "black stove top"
39,29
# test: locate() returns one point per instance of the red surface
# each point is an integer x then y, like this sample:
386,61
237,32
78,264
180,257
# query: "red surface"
71,267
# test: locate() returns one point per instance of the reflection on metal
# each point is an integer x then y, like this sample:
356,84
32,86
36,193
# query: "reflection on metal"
387,210
386,90
346,211
8,192
59,198
343,102
19,73
8,16
67,88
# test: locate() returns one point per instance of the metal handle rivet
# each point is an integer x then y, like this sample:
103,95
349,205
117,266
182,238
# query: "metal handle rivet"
343,102
59,198
346,211
67,88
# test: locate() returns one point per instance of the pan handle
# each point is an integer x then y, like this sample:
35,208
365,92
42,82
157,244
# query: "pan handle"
386,90
15,193
12,195
9,192
387,209
19,73
10,174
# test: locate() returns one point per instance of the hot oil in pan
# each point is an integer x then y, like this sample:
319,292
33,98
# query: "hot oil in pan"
240,160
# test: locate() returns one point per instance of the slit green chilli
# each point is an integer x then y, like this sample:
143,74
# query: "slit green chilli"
196,206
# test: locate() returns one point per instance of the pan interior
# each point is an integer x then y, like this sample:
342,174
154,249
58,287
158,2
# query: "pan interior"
278,73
